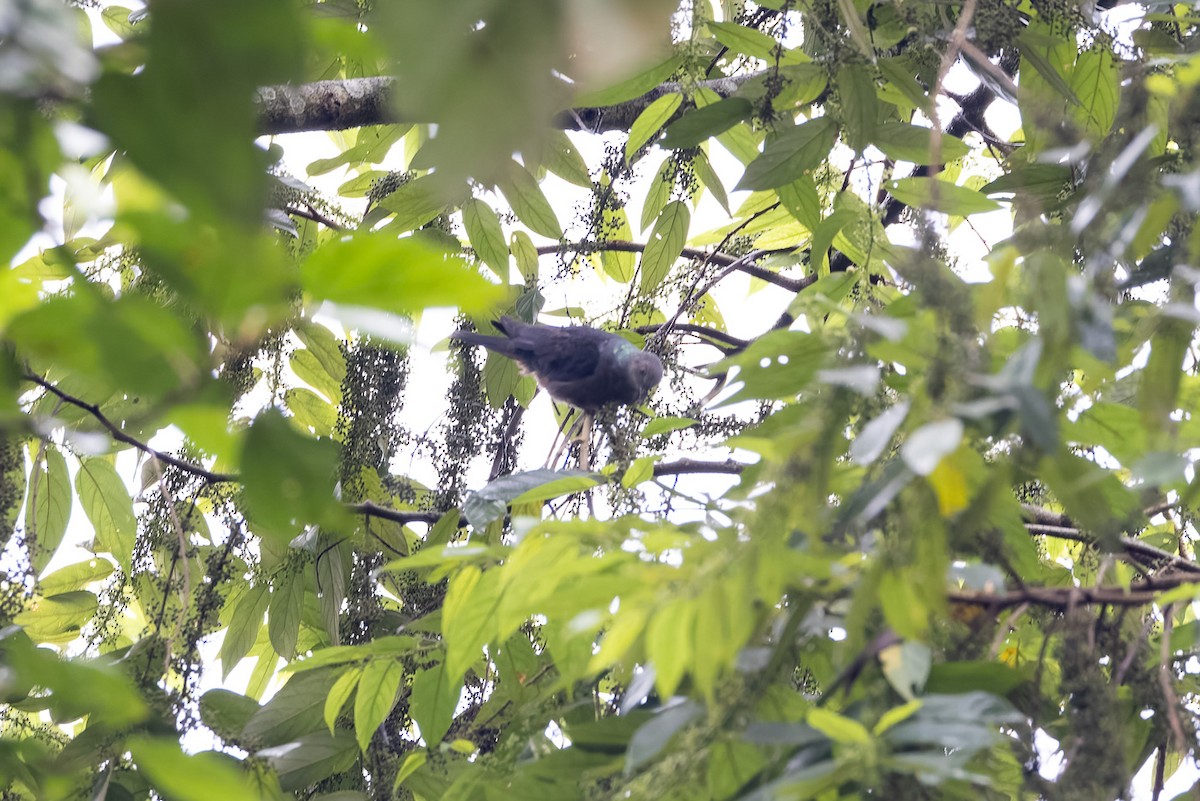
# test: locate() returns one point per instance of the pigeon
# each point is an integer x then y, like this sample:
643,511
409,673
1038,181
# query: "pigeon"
577,365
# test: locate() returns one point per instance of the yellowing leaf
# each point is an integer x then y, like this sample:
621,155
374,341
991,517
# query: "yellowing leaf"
950,486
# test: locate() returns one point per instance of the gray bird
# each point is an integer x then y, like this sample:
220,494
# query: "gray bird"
579,365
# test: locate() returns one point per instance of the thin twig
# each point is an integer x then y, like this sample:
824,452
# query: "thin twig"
734,344
708,256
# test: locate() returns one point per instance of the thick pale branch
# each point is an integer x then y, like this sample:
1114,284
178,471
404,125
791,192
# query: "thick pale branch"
358,102
1045,522
1138,594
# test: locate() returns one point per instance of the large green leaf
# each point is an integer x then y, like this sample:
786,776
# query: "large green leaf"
695,126
529,203
396,275
106,502
664,246
486,236
288,478
433,701
296,710
904,142
311,758
631,87
47,505
792,153
651,121
941,196
191,777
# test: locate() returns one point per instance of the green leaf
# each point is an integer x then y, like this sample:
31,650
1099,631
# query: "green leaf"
663,425
433,701
486,236
664,246
283,621
641,470
1041,181
790,155
618,265
528,203
904,142
325,347
468,618
311,758
194,777
695,126
1036,54
296,710
657,195
311,412
288,478
860,105
420,200
490,502
106,502
526,254
709,178
669,644
226,712
310,370
564,485
838,728
650,121
58,619
776,366
652,737
339,693
372,146
244,618
48,505
376,695
396,275
898,71
748,41
923,192
801,200
75,577
131,342
630,88
412,763
1096,81
562,159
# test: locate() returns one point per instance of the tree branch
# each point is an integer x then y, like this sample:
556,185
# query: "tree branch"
404,517
119,435
721,259
358,102
1137,594
682,466
734,344
1044,522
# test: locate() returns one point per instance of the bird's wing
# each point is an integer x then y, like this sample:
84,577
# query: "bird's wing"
559,354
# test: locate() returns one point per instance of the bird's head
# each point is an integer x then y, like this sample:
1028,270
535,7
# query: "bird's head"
646,369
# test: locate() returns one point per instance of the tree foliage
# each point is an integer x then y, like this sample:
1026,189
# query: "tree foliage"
932,538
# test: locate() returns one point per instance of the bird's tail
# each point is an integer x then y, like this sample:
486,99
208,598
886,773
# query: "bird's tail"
502,345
